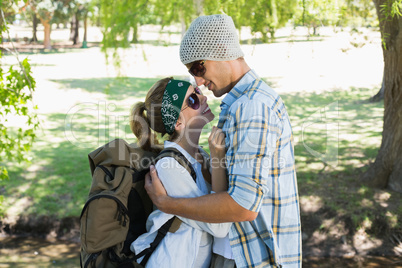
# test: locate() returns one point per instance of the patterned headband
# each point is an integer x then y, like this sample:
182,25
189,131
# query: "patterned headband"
172,101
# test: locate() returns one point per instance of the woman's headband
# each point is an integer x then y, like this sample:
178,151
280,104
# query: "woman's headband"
172,101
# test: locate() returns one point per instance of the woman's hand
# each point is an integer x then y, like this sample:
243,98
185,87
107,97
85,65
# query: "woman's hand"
217,143
217,147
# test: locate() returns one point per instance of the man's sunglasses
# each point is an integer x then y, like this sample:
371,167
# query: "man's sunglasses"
193,101
197,69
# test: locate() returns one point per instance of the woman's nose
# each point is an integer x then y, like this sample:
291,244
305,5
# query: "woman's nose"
204,98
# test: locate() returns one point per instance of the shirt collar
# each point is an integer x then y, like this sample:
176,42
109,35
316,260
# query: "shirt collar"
240,87
170,144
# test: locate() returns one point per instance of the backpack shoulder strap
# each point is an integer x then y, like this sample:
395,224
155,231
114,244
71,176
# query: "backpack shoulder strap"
206,157
179,157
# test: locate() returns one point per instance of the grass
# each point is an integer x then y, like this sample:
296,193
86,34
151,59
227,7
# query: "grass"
350,124
341,123
337,135
57,181
115,88
341,127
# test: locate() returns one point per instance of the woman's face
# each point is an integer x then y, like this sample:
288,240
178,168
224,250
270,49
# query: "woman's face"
195,112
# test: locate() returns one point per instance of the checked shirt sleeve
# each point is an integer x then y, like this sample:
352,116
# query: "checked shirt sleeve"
252,132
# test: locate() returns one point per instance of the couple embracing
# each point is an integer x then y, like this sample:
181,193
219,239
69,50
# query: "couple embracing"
242,210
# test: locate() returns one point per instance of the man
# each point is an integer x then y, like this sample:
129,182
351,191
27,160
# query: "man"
262,199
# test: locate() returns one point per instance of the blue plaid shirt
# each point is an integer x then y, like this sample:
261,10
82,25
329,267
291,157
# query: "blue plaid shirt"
262,177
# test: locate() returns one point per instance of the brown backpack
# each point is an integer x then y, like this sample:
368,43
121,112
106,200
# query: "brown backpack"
118,206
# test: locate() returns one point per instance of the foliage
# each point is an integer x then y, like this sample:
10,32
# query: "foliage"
80,7
389,10
236,9
174,11
316,13
44,8
261,15
357,13
16,88
268,16
8,10
61,13
118,18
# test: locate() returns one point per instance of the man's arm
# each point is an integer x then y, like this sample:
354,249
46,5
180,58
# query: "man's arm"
213,208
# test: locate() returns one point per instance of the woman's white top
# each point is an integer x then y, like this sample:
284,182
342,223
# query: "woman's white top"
191,244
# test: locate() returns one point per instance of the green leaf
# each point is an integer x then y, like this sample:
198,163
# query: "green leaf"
3,173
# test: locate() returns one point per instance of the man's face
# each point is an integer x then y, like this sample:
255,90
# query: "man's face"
217,76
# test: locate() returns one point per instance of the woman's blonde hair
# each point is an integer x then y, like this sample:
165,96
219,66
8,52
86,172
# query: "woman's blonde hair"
147,115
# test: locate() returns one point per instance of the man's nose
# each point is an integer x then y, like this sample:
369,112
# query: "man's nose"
199,80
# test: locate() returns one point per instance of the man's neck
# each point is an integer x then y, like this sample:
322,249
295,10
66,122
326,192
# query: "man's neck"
240,68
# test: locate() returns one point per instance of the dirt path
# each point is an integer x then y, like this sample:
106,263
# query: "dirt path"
36,252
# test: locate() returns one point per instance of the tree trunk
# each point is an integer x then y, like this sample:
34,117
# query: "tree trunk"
74,34
199,7
85,28
387,168
380,94
46,42
183,24
84,41
264,36
135,34
34,38
72,23
77,28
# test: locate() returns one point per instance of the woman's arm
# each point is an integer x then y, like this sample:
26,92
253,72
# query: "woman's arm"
218,166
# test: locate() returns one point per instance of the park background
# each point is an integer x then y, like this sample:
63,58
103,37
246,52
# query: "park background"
325,59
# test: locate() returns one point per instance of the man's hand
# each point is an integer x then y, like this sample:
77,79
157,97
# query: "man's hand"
154,187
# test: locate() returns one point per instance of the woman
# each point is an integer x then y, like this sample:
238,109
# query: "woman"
176,108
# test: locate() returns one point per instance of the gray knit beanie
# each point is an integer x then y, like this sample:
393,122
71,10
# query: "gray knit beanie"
211,37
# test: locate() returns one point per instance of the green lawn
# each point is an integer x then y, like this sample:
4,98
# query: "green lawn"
337,134
341,124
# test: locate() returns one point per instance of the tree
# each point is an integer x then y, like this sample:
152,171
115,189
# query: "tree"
78,10
269,16
386,171
379,96
239,10
316,13
61,13
263,16
182,11
118,18
16,88
35,23
359,13
45,10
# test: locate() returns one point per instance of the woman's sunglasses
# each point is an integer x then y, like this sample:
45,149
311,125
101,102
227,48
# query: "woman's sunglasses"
193,101
197,69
